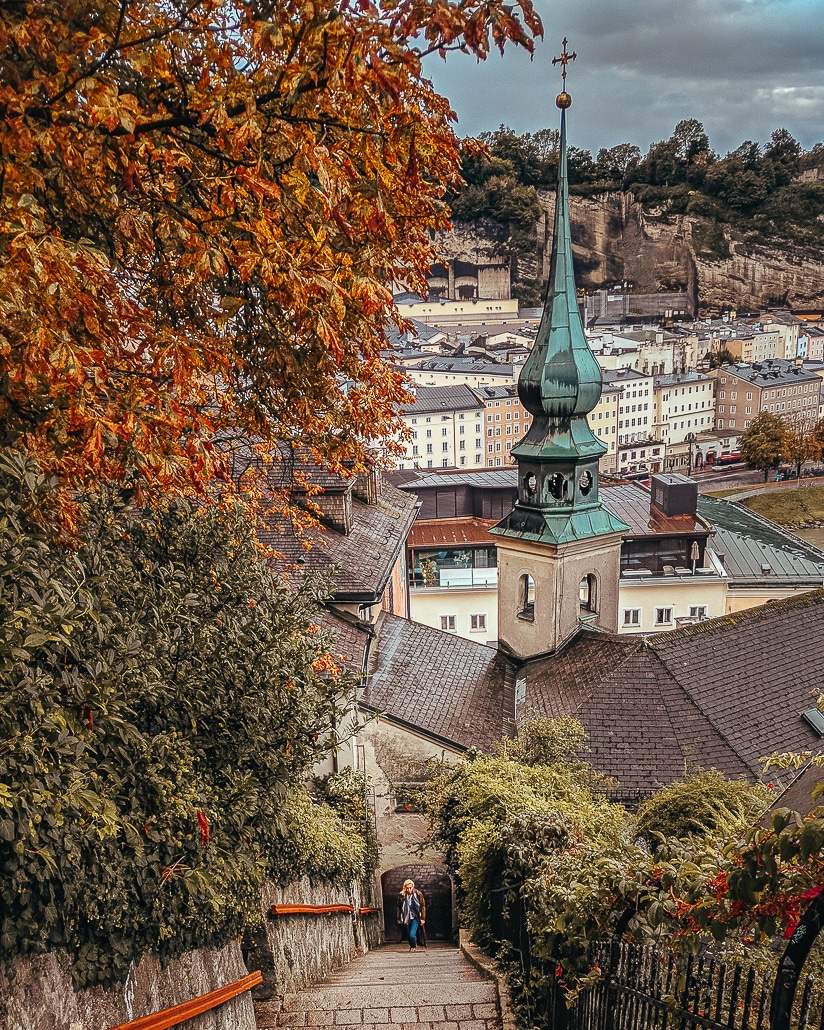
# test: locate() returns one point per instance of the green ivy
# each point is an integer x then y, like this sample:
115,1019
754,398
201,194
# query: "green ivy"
160,710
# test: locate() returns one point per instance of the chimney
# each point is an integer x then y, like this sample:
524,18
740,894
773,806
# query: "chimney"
368,485
674,494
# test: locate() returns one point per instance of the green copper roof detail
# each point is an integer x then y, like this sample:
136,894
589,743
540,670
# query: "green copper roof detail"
561,380
543,527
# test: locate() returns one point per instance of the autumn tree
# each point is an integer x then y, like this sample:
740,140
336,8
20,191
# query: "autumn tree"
762,443
799,441
203,207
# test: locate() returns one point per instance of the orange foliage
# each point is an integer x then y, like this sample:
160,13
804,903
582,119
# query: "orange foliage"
203,207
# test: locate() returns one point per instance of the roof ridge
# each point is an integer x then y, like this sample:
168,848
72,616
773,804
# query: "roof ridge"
734,618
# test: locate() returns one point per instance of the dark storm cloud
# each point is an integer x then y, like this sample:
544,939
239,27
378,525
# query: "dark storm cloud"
742,67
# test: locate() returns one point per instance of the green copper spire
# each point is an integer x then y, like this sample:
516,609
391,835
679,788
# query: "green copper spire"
560,383
561,380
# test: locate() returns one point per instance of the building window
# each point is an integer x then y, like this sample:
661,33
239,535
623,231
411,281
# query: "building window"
632,616
526,598
443,431
477,623
415,451
663,616
462,445
587,593
445,446
429,434
445,463
698,611
448,623
429,448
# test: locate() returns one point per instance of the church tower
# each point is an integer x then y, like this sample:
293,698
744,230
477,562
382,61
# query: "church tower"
559,548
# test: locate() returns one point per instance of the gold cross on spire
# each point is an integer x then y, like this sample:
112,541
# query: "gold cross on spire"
563,100
564,60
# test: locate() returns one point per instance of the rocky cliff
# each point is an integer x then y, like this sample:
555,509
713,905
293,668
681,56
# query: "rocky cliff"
616,239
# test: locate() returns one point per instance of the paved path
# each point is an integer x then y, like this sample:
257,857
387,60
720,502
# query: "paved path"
392,988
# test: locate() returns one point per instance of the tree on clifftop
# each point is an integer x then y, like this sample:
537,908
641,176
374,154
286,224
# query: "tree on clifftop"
762,444
203,206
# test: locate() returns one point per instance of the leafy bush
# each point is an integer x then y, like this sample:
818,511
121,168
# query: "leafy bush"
706,804
500,822
162,697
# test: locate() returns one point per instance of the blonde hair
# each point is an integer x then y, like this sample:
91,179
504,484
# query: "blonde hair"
408,883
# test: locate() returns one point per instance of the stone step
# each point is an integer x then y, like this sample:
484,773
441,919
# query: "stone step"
392,988
405,994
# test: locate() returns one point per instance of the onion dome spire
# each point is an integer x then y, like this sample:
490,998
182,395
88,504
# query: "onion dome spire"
561,380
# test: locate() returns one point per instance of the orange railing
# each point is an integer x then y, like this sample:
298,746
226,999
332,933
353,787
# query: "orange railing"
189,1009
317,910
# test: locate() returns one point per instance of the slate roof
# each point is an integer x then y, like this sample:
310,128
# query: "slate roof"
352,638
631,503
749,541
464,365
773,371
681,379
493,479
364,557
449,688
441,399
722,693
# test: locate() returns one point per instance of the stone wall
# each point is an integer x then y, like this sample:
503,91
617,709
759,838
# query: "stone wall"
40,995
293,951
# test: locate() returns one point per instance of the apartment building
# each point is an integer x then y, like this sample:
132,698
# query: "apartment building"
603,421
506,421
445,429
684,404
781,387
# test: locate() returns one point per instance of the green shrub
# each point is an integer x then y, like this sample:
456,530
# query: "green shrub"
706,804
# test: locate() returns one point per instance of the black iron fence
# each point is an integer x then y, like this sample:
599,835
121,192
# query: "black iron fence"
656,988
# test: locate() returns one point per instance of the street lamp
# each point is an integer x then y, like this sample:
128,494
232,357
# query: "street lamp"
690,438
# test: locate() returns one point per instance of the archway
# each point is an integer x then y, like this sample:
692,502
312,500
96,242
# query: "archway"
436,888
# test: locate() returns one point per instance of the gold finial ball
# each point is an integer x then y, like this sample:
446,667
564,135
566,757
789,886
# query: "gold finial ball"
563,100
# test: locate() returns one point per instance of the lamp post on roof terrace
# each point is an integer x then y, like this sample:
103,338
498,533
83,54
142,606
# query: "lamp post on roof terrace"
690,439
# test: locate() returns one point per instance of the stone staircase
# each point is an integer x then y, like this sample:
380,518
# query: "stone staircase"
392,988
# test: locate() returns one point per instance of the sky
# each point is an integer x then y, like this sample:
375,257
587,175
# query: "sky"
742,67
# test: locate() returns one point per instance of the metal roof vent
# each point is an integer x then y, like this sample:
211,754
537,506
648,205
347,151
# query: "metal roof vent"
766,569
815,719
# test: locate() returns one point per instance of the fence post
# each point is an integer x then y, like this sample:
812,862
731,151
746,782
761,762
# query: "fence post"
611,993
792,962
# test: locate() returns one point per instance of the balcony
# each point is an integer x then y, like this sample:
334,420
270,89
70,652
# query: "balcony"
451,578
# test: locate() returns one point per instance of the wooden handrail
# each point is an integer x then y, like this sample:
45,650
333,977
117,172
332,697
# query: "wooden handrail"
189,1009
316,910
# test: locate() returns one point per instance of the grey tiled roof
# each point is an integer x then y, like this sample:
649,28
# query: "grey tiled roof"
352,638
363,558
682,379
479,478
773,372
756,550
441,399
463,365
722,694
439,683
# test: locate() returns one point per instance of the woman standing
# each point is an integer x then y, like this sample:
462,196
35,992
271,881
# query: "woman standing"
411,913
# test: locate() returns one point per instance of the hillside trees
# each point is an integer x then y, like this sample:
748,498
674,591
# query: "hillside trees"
203,206
162,698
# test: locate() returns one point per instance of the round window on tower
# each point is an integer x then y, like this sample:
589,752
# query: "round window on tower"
557,486
585,482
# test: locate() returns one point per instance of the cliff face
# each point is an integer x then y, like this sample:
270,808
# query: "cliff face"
614,239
